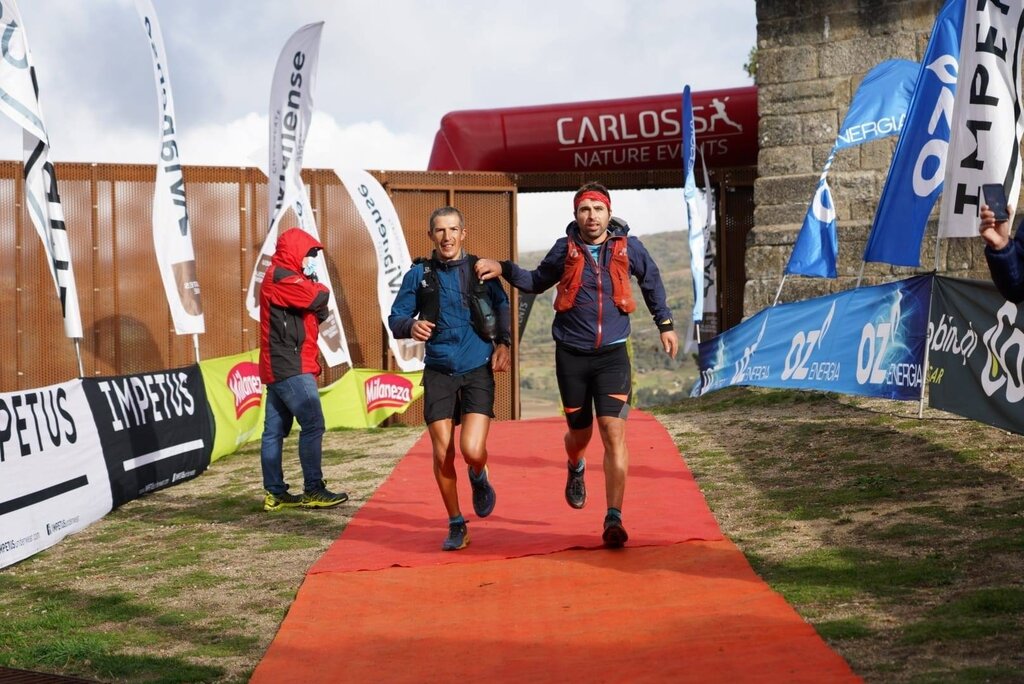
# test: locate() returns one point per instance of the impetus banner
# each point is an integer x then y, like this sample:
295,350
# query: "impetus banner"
53,479
984,140
235,395
976,354
291,111
172,238
366,398
868,341
154,429
919,163
393,260
19,100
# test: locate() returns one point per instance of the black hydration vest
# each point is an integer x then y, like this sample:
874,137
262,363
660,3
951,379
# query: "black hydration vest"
481,312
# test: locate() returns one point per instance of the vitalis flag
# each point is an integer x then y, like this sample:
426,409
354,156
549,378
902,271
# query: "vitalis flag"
19,100
291,110
393,260
154,429
172,238
919,162
52,477
984,141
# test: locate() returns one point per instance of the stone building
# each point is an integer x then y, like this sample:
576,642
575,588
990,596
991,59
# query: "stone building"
812,55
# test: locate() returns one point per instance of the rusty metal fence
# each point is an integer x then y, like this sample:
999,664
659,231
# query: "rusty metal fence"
126,322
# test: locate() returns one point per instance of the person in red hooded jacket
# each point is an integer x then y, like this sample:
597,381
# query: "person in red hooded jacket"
292,305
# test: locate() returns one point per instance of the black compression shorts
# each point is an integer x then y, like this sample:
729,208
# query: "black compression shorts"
451,396
593,382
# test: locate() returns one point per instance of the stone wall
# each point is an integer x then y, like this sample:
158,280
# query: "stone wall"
812,55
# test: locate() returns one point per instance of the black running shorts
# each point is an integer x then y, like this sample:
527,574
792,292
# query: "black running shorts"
593,382
451,396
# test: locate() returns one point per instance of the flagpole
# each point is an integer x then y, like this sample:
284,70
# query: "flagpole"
78,353
927,349
778,293
195,345
938,243
860,275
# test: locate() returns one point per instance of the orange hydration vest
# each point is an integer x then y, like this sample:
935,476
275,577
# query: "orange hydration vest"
618,268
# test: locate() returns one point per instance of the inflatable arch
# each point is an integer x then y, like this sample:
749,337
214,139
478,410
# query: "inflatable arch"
639,133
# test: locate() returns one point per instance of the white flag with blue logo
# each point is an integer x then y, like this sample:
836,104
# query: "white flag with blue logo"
694,221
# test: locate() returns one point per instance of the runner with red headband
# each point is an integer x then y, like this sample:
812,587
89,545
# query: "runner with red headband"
591,267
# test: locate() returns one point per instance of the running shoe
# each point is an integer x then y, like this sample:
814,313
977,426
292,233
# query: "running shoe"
322,497
483,493
275,502
575,487
614,536
458,537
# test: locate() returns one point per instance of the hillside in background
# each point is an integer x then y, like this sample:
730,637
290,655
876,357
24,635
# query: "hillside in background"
659,379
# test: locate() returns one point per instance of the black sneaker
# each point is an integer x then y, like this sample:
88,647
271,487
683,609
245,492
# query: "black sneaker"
322,497
458,537
275,502
575,487
614,536
483,493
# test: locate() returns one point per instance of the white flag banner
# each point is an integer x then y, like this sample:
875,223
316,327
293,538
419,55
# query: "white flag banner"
291,110
19,100
393,260
984,140
172,238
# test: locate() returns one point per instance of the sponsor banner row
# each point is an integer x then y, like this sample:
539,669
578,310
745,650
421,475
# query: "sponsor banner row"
72,452
868,341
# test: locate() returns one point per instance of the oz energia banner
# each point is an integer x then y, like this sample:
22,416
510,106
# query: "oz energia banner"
984,142
53,480
172,238
19,100
291,111
976,353
393,260
867,341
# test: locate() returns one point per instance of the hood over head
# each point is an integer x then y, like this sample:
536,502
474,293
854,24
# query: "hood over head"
294,245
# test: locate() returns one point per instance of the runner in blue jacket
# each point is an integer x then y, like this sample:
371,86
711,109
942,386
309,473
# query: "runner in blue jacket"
592,266
434,305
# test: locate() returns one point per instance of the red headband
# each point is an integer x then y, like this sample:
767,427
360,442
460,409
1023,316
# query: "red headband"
595,195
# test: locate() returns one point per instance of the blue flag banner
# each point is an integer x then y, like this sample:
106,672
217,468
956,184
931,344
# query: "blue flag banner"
868,341
878,110
817,245
694,223
879,107
919,163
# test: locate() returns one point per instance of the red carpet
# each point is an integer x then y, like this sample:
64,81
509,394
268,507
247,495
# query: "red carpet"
405,522
531,599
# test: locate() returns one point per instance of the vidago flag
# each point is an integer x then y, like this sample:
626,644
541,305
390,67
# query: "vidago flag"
919,162
694,222
291,111
19,100
984,141
172,238
393,260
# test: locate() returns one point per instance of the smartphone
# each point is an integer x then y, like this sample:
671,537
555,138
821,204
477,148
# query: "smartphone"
995,198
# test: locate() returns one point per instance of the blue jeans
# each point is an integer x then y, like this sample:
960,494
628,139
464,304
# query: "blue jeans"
294,398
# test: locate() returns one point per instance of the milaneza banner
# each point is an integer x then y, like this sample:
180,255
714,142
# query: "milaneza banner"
172,238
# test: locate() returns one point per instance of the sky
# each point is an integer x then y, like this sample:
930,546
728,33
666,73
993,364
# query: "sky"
388,72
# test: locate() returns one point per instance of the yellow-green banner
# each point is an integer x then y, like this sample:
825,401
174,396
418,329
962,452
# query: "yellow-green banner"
235,394
365,398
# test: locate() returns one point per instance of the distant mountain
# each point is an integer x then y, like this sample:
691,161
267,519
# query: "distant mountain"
658,379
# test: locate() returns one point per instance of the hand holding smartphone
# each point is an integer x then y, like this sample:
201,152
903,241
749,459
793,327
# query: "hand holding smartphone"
995,198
